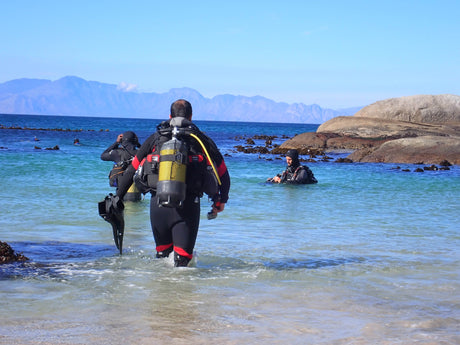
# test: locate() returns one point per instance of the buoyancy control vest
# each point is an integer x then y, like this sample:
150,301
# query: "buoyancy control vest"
291,176
126,156
178,165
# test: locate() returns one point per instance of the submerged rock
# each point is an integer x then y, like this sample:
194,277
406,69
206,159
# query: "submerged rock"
8,255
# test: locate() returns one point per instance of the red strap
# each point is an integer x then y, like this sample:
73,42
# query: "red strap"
163,247
195,158
182,252
136,162
222,168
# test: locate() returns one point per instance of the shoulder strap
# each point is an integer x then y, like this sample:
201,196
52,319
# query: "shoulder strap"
125,148
300,167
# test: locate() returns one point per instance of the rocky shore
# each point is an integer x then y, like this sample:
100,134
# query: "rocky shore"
422,129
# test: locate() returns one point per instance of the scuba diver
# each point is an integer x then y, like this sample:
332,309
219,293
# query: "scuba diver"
294,173
122,152
176,164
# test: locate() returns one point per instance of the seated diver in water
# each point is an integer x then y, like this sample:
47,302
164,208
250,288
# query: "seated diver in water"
294,173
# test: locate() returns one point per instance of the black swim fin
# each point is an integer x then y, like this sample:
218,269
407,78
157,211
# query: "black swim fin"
111,209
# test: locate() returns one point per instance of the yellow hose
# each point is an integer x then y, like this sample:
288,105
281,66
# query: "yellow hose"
207,155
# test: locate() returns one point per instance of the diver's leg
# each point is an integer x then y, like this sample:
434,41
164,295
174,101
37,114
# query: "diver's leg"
160,220
184,233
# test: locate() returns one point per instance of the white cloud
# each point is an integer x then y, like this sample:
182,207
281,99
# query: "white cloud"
127,87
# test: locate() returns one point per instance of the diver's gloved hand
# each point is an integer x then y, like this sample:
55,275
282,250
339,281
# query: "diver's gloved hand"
111,210
216,208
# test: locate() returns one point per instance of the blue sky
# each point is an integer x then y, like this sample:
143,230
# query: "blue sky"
333,53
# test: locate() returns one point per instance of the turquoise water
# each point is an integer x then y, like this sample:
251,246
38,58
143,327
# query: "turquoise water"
369,255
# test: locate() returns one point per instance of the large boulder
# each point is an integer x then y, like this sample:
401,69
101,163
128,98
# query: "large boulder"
376,128
431,122
438,109
425,150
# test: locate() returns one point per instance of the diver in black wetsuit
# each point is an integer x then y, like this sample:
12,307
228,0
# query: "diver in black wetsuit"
294,173
121,152
176,229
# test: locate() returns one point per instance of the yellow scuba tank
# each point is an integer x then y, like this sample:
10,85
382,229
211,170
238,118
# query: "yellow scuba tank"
133,194
171,187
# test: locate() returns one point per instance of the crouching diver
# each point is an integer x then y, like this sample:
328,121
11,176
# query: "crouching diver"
175,214
122,152
294,173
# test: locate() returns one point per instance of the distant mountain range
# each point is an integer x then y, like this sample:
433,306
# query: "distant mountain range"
76,96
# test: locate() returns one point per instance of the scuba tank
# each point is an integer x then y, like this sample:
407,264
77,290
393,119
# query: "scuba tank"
171,187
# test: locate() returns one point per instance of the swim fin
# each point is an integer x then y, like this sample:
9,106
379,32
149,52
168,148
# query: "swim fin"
111,210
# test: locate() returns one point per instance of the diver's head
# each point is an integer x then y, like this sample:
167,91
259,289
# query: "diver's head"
292,158
181,108
130,137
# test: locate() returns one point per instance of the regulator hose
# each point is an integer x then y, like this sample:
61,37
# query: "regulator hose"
207,155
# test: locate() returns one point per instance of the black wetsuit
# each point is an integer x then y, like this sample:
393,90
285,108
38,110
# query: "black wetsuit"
121,154
298,175
177,228
117,154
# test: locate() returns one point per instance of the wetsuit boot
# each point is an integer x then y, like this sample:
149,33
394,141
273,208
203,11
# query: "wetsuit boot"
180,261
164,254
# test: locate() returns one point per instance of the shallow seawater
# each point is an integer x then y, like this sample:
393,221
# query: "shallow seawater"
369,255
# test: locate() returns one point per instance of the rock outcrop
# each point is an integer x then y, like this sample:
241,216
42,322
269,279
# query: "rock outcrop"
415,129
426,150
438,109
8,255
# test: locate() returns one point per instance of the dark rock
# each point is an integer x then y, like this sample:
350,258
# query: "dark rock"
256,149
8,255
343,160
445,163
310,151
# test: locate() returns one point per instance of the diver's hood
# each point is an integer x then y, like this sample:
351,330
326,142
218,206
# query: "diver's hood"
294,155
130,138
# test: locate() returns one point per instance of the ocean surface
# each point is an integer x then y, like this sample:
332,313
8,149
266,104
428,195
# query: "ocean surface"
369,255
